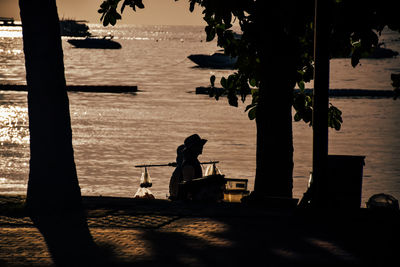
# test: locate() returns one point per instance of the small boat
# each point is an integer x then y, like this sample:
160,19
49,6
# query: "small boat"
75,28
215,61
95,42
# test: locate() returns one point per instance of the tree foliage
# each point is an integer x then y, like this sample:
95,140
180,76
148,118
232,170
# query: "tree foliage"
275,52
355,29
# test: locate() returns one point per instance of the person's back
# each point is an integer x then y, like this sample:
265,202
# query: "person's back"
191,168
176,177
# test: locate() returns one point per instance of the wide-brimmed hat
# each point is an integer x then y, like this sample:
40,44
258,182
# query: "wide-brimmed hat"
194,139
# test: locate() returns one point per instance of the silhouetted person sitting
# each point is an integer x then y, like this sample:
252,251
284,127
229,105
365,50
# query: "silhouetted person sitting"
187,166
191,167
187,181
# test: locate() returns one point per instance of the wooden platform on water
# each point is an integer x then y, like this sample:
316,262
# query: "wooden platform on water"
8,22
79,88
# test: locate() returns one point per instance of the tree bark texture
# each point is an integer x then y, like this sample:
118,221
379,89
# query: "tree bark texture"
53,199
53,183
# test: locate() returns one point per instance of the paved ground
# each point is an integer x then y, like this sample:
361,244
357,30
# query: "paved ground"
163,233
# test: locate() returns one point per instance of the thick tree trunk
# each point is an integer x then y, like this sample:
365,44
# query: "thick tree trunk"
274,171
53,183
53,198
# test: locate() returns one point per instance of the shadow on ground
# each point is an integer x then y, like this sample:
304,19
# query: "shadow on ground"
128,232
273,238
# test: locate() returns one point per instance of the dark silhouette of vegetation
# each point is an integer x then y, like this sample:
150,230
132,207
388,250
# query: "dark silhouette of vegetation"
275,52
53,197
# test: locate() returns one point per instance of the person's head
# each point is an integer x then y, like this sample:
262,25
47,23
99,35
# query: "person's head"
194,144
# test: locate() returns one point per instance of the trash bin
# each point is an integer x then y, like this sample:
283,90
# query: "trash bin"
344,181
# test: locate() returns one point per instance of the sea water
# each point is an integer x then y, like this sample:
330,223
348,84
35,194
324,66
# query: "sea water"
114,132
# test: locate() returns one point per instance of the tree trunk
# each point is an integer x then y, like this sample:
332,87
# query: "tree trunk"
274,169
53,183
53,199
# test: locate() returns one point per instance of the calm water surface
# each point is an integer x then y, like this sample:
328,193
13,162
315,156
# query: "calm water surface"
114,132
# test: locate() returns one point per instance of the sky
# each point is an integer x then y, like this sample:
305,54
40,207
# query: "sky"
156,12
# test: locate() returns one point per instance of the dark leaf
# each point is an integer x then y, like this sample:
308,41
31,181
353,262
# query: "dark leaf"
232,100
113,20
104,5
334,117
191,7
210,33
212,80
308,100
106,20
336,125
125,3
231,81
297,116
140,5
249,107
228,18
301,86
253,82
223,82
252,113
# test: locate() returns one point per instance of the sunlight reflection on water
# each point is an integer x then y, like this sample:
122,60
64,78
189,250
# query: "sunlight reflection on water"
10,32
14,125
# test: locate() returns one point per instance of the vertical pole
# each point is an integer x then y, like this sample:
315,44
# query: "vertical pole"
320,103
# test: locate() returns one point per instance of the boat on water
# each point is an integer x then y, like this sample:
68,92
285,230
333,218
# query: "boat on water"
105,42
75,28
217,60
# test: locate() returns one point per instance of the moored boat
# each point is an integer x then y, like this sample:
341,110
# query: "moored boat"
215,61
76,28
95,42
